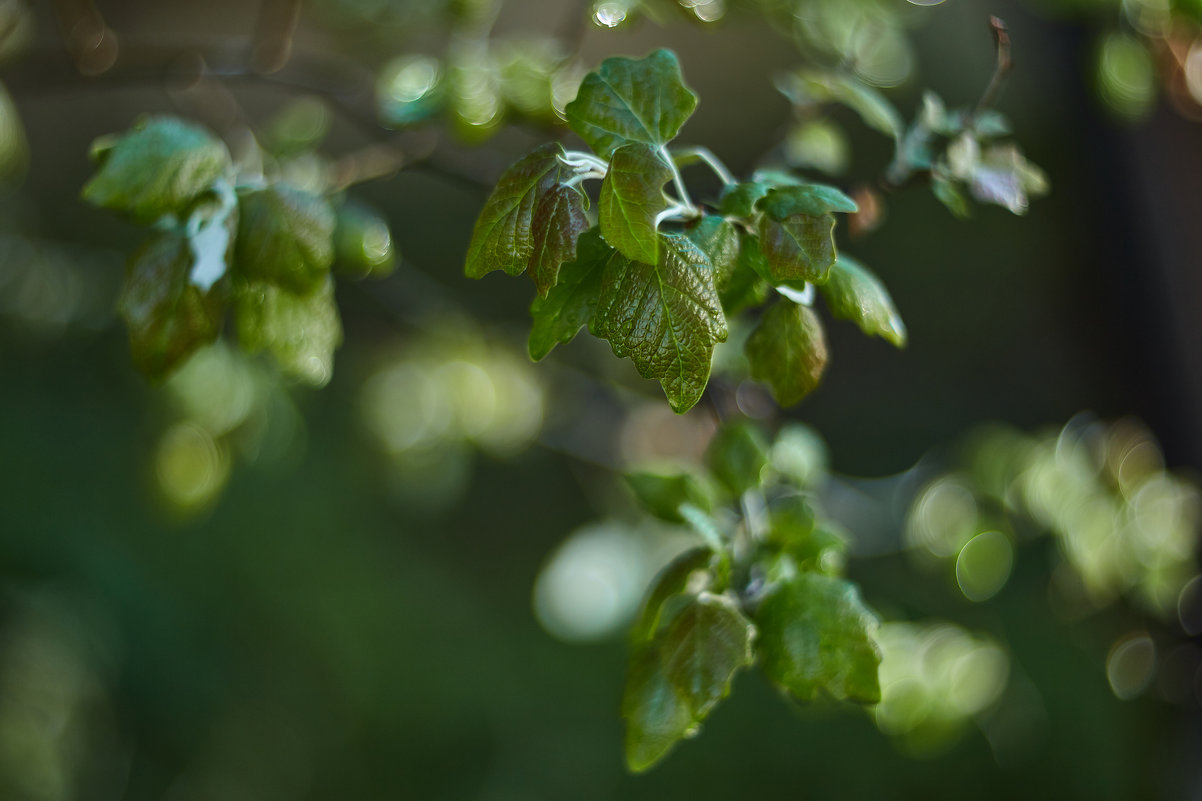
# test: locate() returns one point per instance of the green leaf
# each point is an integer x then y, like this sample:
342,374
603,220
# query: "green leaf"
854,293
676,680
787,351
799,248
299,331
874,109
719,239
160,166
672,580
811,199
738,200
570,304
792,527
558,221
747,285
168,317
285,236
502,236
363,242
737,455
816,634
666,318
632,196
949,194
631,100
662,495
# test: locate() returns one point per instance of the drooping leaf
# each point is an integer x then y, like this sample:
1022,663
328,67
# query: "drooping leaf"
809,87
161,165
787,351
815,634
502,236
810,199
677,678
662,494
570,304
737,455
631,100
738,200
558,220
798,248
168,317
666,317
632,196
299,331
672,580
854,293
286,237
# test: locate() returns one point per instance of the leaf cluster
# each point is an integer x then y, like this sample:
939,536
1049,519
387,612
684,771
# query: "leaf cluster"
765,588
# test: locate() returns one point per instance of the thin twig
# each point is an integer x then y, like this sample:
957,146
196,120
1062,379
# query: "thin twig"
1001,40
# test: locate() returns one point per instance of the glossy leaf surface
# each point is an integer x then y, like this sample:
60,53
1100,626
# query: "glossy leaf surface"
558,221
787,351
798,248
854,293
632,196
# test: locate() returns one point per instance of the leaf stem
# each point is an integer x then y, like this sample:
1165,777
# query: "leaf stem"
711,161
678,182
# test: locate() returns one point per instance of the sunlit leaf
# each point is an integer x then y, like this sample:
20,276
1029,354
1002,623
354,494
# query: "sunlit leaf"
815,634
787,351
676,679
670,581
631,100
502,237
854,293
168,317
558,220
299,331
363,243
632,196
666,317
798,248
160,166
286,237
570,304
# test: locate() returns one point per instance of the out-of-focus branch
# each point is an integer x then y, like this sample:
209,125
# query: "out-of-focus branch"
1001,40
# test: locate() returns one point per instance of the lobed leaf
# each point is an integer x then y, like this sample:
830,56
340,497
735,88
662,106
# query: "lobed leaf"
783,202
787,351
299,331
666,317
285,237
168,317
798,248
854,293
815,634
502,238
160,166
631,100
570,304
676,679
631,198
558,220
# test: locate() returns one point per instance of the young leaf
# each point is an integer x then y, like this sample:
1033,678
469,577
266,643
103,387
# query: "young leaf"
558,220
787,351
816,634
168,316
746,286
666,317
854,293
676,679
363,243
299,331
737,455
285,236
160,166
738,200
631,100
632,196
570,304
501,237
672,580
798,248
662,495
811,86
812,199
719,239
